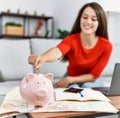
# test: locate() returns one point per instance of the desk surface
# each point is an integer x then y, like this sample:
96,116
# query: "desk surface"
115,101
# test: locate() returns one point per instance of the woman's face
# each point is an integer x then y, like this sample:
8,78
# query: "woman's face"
89,21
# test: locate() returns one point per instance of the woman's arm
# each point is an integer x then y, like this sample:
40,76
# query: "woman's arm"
64,82
38,60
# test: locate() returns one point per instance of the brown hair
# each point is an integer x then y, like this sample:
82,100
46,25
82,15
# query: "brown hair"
102,21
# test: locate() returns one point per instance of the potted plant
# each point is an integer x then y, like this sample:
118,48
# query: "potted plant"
62,33
12,28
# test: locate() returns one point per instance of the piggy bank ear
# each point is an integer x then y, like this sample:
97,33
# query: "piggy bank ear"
49,76
29,76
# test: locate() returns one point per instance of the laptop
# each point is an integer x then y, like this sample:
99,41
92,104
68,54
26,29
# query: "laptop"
114,89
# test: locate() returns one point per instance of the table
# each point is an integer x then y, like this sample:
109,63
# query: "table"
115,101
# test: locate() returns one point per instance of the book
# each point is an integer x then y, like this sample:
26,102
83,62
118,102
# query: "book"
79,94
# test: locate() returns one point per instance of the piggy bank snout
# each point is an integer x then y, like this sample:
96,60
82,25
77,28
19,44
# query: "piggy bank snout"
43,93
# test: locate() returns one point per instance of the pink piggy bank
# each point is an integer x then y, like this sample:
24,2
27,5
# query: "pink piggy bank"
37,90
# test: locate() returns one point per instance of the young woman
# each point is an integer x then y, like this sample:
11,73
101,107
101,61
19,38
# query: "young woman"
86,49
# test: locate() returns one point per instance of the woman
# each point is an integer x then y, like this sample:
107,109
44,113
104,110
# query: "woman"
86,49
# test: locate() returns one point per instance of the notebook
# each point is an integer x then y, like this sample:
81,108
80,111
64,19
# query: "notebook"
114,88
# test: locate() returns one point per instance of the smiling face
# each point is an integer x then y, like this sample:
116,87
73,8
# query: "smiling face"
88,21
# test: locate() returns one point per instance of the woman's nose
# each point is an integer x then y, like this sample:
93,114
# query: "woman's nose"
89,20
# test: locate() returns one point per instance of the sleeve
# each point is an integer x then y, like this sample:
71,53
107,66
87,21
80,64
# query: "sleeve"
65,45
97,70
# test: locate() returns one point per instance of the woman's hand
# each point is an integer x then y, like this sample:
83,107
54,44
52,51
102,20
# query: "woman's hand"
36,61
62,83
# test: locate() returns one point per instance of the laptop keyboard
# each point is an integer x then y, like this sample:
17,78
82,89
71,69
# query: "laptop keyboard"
104,90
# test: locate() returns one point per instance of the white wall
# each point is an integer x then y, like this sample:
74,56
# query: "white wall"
114,26
41,6
65,12
109,5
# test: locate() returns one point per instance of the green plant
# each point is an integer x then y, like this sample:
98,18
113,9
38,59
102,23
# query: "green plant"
62,33
13,24
46,34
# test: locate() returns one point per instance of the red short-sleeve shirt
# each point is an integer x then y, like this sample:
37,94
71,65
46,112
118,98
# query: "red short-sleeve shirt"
83,61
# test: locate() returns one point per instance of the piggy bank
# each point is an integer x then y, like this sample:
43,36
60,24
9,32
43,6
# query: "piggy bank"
37,89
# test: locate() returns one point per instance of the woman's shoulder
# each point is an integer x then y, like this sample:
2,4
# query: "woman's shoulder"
105,42
73,37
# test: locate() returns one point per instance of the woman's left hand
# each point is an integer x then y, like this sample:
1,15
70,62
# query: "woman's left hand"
62,83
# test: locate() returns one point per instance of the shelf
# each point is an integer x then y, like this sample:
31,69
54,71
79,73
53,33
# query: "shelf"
13,36
26,18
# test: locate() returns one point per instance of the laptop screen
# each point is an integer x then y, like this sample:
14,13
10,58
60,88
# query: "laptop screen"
114,88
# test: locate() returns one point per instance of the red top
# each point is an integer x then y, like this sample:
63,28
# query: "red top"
83,61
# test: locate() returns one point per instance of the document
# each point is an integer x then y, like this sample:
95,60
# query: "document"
93,106
84,94
91,100
13,104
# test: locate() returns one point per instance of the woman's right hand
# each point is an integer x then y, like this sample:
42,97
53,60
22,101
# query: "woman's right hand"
36,61
49,56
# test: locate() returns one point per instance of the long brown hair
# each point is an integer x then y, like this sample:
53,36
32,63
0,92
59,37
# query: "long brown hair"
102,21
101,16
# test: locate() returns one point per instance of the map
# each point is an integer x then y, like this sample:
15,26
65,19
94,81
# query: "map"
14,104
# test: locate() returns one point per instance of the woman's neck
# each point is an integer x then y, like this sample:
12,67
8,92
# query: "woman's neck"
88,40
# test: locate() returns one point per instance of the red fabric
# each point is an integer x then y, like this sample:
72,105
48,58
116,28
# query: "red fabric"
83,61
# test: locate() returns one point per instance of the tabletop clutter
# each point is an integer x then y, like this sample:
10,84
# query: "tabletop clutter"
36,94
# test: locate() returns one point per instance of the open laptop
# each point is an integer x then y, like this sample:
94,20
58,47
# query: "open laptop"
114,88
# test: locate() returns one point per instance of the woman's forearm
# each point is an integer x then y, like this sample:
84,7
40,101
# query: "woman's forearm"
82,78
51,55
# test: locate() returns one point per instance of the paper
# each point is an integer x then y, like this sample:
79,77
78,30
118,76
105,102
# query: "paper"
93,106
13,104
87,94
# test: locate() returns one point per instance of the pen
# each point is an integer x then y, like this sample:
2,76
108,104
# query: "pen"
81,95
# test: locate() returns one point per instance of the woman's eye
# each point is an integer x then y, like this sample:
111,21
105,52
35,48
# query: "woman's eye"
94,19
85,17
